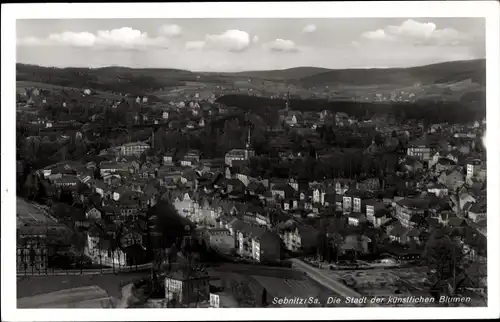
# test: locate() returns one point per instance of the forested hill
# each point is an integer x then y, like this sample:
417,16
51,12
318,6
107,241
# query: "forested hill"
449,72
149,80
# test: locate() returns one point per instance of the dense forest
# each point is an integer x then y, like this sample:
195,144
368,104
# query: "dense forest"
427,111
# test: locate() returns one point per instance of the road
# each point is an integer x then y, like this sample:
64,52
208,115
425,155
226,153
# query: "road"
327,281
259,270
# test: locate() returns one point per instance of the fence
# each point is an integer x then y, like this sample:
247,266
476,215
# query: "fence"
93,271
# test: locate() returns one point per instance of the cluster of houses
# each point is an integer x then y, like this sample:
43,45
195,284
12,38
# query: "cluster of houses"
436,184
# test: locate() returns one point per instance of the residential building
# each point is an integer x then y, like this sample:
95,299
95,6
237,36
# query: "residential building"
300,238
407,207
376,212
257,242
420,149
318,196
356,218
240,154
444,164
477,211
168,158
93,213
187,286
67,182
284,191
133,148
438,189
452,179
131,236
473,168
398,232
342,185
353,200
355,244
220,239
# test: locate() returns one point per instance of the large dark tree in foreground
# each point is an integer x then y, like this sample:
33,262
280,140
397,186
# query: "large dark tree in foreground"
444,258
165,225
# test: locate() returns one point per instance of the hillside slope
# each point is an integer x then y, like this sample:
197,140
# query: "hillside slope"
284,74
461,76
430,74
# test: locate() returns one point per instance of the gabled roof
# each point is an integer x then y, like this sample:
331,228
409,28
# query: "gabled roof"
355,193
357,215
95,231
383,212
433,222
282,187
478,207
414,203
234,182
457,222
446,161
122,190
256,186
398,230
135,144
416,218
415,232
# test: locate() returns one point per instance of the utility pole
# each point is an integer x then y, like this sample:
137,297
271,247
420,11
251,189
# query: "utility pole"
454,272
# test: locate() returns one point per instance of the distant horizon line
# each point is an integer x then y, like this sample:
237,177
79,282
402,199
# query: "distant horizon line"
250,71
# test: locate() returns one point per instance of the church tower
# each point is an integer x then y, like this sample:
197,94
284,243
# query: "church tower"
249,136
248,147
287,102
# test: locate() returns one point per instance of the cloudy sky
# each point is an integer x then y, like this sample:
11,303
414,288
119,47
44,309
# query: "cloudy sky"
249,44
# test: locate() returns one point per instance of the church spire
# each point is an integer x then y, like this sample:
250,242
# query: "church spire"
287,102
248,138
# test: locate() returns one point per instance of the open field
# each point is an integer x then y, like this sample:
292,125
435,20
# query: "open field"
112,284
27,212
21,86
386,282
81,297
279,282
450,80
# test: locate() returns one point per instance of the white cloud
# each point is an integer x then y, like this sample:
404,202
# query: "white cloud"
77,39
309,29
230,40
122,38
30,41
418,33
255,39
282,45
170,30
378,34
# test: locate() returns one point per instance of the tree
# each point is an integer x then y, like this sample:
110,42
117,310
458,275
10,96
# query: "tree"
243,294
168,225
264,297
444,257
337,242
79,241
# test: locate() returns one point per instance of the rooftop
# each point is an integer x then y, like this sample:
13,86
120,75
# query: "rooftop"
414,203
135,144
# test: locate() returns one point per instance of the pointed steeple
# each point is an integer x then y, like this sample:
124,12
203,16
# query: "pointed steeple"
249,138
287,102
